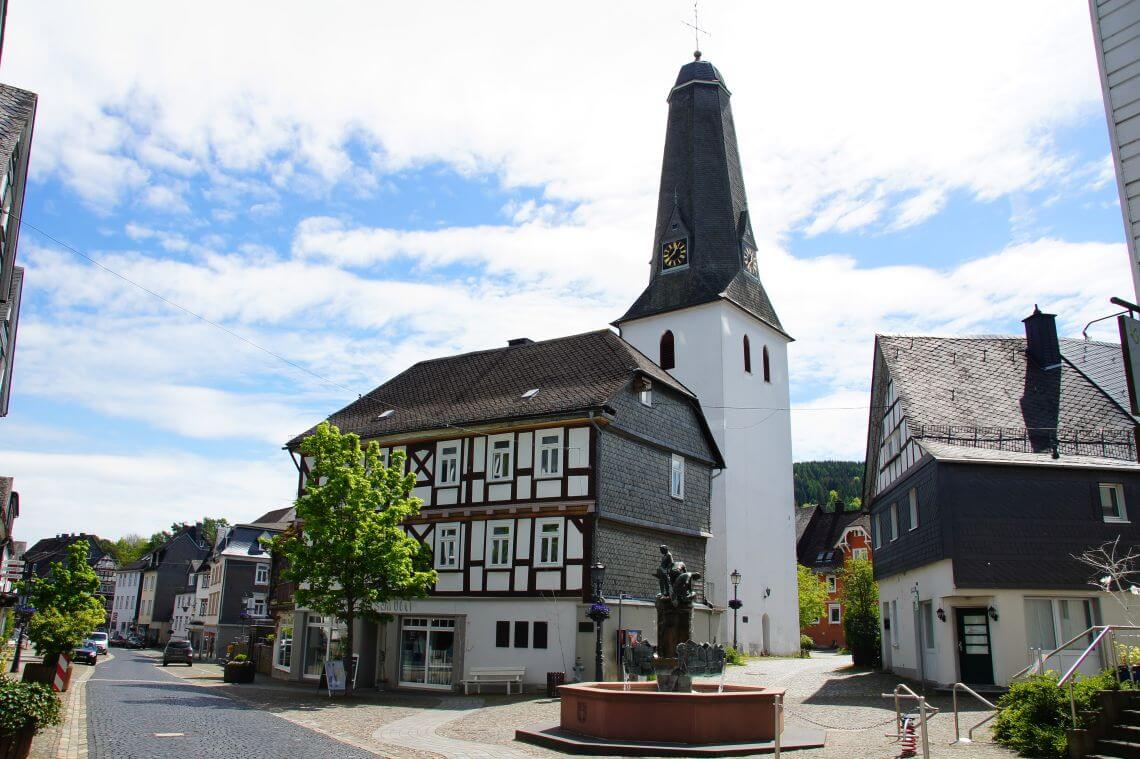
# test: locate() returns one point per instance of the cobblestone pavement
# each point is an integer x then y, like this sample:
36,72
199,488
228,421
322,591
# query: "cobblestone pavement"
135,709
69,739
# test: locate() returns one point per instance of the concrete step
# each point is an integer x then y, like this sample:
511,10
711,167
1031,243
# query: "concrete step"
1130,716
1125,732
1118,748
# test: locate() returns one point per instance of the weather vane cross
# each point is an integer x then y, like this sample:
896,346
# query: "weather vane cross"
697,32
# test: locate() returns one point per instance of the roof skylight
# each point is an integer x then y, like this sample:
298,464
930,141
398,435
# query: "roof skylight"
385,414
530,394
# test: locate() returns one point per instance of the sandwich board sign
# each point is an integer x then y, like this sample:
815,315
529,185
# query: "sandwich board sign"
334,676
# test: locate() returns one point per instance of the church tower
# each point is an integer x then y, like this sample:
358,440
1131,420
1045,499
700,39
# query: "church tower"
706,318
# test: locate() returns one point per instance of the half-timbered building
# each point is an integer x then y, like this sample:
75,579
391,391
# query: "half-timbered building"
532,461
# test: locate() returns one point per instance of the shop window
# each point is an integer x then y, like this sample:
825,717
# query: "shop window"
540,633
502,634
284,655
522,634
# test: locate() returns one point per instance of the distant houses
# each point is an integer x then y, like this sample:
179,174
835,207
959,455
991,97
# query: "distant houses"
825,541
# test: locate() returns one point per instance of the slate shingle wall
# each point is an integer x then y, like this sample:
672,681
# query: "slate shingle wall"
671,419
631,554
915,548
633,482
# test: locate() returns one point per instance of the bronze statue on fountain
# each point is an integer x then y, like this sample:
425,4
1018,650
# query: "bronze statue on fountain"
678,657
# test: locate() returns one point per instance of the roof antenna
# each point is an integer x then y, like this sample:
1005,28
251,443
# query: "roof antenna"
697,31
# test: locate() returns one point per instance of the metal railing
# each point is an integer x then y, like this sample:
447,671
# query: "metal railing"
924,710
969,733
778,705
1099,634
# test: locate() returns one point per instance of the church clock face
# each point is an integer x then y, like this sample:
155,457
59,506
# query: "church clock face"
750,262
674,254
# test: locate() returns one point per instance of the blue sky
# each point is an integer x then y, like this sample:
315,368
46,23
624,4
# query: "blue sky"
380,186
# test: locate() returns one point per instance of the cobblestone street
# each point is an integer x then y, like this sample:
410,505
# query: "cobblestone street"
822,692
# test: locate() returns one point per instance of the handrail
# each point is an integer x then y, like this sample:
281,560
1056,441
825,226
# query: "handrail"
970,733
1081,659
1068,643
923,710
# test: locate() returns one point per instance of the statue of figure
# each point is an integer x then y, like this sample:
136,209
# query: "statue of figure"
663,573
681,584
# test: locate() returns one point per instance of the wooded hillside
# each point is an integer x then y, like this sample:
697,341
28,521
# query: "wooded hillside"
814,481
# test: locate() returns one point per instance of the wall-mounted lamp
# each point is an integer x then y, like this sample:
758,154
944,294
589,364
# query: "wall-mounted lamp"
767,592
941,615
993,613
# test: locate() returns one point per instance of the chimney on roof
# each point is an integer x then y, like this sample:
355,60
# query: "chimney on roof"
519,341
1041,339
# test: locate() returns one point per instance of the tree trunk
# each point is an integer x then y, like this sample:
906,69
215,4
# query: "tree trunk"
348,673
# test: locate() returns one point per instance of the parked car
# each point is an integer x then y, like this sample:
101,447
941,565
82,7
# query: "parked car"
117,641
86,653
135,641
178,651
99,640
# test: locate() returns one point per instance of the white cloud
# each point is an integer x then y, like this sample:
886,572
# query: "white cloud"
112,495
869,108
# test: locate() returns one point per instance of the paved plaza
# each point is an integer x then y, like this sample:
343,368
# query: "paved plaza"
135,708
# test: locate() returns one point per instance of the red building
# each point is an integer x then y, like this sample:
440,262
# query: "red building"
825,540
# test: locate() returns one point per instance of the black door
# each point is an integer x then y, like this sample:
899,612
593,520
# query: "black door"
974,659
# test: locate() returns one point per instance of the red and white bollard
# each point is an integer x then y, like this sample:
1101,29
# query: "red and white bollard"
909,743
61,668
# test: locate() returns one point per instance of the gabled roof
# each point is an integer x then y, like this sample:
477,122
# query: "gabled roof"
275,517
817,544
17,108
57,546
984,399
242,541
572,375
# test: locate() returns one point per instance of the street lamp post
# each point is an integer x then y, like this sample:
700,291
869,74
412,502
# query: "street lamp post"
24,613
599,612
735,605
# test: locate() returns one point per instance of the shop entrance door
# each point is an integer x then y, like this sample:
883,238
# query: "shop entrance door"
975,660
427,647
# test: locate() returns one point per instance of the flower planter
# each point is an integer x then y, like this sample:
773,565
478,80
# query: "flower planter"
1126,675
34,672
17,745
238,672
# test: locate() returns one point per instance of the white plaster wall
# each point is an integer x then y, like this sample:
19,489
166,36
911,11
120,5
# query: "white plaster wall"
752,499
1008,635
561,615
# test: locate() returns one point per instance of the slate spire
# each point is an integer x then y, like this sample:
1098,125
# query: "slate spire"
702,202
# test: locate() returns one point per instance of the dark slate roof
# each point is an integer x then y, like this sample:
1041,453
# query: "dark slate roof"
816,544
803,518
1102,363
702,186
55,548
572,374
134,565
950,386
274,517
17,108
243,541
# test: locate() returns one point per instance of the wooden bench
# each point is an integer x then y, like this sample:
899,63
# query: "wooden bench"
481,675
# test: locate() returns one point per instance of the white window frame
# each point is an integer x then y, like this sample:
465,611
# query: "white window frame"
448,560
834,614
542,537
1121,510
912,499
257,606
895,624
894,522
541,447
492,455
492,540
876,530
832,586
443,459
261,574
645,397
859,553
677,477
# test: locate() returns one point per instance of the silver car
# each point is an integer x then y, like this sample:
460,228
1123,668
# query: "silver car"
98,641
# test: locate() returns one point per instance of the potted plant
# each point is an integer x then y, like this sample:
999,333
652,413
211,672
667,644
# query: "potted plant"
238,670
25,709
1128,662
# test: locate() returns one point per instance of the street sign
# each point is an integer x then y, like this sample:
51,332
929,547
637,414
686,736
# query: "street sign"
1130,343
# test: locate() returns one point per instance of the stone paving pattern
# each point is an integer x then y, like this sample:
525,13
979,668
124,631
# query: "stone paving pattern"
126,701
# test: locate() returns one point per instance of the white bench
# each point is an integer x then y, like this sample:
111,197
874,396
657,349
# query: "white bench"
480,675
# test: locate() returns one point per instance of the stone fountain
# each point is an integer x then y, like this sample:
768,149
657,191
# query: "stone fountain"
673,716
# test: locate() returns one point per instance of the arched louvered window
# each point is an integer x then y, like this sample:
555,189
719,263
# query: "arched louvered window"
767,369
668,360
747,355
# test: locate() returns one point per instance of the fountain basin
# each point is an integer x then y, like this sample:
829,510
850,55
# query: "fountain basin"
738,714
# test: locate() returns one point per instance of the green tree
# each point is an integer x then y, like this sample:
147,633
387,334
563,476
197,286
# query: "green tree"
351,552
814,480
127,548
66,603
860,598
813,596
